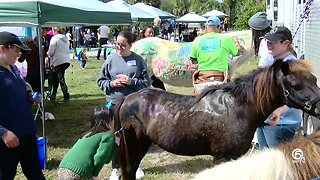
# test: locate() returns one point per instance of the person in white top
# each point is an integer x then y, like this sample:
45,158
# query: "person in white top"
69,36
59,61
104,31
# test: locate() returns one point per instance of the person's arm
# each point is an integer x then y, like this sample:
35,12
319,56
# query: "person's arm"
104,153
9,138
52,47
104,81
274,117
231,46
194,52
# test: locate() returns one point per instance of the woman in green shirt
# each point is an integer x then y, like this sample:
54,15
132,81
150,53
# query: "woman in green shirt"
88,155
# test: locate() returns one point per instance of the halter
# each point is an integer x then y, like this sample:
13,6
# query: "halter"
306,105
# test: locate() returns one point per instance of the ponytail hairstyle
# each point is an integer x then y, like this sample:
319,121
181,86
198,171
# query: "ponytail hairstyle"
256,38
101,120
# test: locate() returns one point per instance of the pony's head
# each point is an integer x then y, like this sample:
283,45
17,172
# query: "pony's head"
292,81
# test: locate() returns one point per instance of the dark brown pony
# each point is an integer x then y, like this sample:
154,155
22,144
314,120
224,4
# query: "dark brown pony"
220,122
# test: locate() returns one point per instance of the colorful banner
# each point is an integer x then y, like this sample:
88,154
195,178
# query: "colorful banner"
170,61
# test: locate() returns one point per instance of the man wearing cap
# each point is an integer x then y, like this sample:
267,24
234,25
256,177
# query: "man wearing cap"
210,51
17,128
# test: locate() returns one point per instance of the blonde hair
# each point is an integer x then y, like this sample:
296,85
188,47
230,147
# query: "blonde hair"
60,30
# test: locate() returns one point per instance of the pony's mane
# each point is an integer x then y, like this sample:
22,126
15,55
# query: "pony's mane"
267,84
308,167
260,86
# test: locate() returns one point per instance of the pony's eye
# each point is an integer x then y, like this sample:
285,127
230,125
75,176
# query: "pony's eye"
296,86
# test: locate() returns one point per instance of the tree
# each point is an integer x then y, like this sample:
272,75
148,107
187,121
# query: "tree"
167,5
247,9
203,6
181,7
230,6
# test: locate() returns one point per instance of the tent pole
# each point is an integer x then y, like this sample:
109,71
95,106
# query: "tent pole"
42,92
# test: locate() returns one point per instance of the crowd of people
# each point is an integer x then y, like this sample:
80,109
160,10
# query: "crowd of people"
123,72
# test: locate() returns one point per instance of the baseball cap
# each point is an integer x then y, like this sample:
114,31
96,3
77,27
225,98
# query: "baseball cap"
7,38
213,21
278,34
259,21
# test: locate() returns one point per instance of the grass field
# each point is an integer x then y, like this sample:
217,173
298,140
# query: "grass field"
72,121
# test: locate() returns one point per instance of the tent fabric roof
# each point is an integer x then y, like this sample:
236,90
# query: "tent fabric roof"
136,13
156,12
214,13
191,17
59,12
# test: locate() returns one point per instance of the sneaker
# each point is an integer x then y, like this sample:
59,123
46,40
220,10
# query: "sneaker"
139,173
114,174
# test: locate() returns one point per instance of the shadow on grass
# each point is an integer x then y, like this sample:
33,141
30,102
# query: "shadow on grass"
53,164
72,121
189,166
84,96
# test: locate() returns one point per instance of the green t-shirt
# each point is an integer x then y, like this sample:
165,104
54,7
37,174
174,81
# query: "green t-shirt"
88,155
211,51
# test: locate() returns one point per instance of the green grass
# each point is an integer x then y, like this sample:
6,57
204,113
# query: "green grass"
72,121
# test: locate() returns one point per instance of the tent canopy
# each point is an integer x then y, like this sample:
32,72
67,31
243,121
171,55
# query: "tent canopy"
60,12
156,12
191,17
136,13
214,13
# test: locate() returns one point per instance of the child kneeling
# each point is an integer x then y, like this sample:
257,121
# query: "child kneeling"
88,155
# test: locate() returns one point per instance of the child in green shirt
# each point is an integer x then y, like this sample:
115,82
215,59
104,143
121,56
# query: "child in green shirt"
88,155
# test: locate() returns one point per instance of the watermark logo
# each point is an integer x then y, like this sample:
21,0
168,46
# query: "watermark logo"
297,155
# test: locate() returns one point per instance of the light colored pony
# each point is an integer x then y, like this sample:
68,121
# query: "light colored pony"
170,61
295,160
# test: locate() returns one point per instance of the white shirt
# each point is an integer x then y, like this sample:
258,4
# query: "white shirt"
265,58
68,36
104,31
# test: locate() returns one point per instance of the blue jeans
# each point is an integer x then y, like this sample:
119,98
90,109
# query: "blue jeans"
271,136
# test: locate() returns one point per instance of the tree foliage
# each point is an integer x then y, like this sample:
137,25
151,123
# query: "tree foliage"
203,6
181,7
247,9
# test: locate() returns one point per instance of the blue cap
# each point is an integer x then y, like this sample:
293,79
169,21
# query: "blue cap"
213,21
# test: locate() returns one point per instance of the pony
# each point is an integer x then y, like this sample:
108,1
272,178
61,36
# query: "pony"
296,159
170,61
221,121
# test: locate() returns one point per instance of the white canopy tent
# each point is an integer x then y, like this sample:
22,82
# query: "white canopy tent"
156,12
191,18
136,13
215,13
